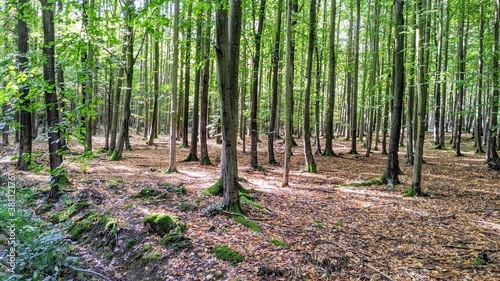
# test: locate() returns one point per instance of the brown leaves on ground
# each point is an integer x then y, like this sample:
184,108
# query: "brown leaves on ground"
335,231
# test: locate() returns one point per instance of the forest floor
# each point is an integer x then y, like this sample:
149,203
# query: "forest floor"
338,224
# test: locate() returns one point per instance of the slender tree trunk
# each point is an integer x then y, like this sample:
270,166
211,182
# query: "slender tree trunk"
288,92
331,83
193,150
254,132
373,80
187,81
410,140
422,79
25,136
445,70
130,61
478,129
275,79
392,172
204,159
153,132
309,157
354,96
173,109
317,107
460,81
58,177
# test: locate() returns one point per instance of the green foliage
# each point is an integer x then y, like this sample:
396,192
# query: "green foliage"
367,183
279,243
227,254
71,211
41,249
131,243
318,224
252,225
155,256
147,192
410,192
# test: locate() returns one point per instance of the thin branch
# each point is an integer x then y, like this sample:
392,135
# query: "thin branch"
97,274
381,273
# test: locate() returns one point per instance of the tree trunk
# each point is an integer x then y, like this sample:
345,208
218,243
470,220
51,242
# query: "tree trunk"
331,83
193,150
124,134
354,96
309,157
392,172
275,79
187,81
153,132
478,129
422,79
228,32
58,177
410,140
25,136
491,153
204,159
460,81
445,70
254,132
373,80
173,106
288,91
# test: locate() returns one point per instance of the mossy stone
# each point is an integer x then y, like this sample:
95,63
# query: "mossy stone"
160,224
227,254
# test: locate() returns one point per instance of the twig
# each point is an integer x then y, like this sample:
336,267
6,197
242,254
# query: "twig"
411,276
97,274
381,273
231,213
97,162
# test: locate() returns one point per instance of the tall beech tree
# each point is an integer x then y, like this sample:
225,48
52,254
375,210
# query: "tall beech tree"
331,83
58,176
172,165
391,174
491,153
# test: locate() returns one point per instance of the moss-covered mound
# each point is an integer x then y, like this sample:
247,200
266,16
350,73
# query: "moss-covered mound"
227,254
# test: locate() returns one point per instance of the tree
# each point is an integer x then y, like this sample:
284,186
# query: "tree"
354,95
373,78
274,99
58,176
310,163
204,159
25,137
491,153
391,175
331,86
478,130
288,91
187,79
460,81
254,133
422,79
172,165
156,90
227,36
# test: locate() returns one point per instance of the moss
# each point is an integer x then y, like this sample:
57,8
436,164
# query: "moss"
215,189
79,228
146,247
120,181
205,161
155,256
114,156
245,199
131,243
410,192
235,208
312,168
252,225
171,170
368,183
317,223
158,223
185,206
113,185
227,254
279,243
108,256
147,192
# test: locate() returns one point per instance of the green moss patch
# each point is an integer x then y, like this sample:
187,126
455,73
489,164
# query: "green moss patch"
252,225
155,256
160,224
279,243
227,254
146,193
367,183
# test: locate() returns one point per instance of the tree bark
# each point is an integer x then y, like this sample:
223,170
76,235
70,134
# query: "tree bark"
25,136
331,83
187,81
172,166
204,159
491,154
392,172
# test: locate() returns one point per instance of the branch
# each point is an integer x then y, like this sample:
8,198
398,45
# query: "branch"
381,273
90,272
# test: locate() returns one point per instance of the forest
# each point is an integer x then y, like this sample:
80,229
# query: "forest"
249,140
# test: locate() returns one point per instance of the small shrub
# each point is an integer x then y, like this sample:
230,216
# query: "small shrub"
227,254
